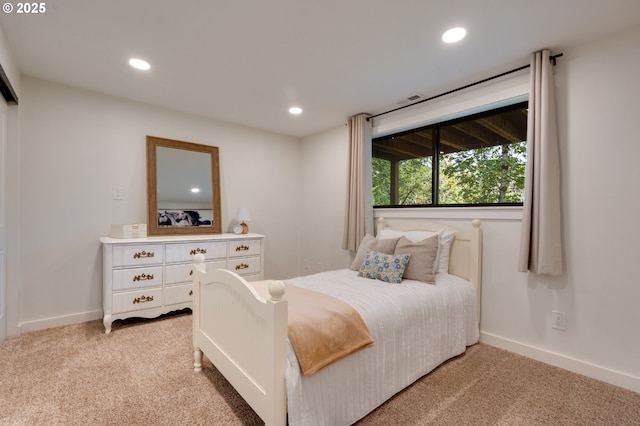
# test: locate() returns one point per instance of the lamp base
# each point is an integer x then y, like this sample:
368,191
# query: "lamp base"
245,228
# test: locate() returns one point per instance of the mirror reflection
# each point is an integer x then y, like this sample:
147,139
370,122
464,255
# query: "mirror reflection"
183,188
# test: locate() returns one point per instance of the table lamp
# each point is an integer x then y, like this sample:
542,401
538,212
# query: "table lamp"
242,217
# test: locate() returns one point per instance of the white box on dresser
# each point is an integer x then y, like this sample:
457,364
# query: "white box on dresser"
151,276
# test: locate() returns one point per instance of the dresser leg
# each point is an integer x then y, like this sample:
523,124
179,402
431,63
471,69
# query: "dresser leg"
107,324
197,360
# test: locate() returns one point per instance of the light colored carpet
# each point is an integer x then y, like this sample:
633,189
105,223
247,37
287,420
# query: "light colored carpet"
141,374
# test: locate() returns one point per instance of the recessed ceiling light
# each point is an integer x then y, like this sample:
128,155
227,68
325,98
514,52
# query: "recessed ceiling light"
454,34
195,190
295,110
139,64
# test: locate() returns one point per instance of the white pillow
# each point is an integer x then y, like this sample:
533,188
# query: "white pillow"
446,238
444,243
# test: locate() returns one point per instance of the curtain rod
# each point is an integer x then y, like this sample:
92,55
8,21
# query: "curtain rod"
551,58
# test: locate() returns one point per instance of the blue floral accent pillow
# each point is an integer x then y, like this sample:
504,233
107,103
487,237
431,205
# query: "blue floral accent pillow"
384,267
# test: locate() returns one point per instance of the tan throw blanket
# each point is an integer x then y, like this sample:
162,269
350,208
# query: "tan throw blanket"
322,329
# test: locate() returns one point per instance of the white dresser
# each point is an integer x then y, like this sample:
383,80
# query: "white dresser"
148,277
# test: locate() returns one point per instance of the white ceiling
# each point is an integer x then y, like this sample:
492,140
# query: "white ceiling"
248,61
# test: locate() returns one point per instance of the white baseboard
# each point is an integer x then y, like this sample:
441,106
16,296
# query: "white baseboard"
28,326
568,363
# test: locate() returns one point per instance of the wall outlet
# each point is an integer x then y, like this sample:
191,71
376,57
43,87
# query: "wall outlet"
559,320
116,193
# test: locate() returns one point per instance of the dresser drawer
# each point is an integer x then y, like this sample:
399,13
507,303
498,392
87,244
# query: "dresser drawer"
244,266
244,248
184,252
124,279
147,254
137,300
184,272
178,294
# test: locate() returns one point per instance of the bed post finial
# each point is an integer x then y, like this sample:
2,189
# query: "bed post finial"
381,224
199,262
276,290
476,223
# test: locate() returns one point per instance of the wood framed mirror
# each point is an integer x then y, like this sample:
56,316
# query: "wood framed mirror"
183,188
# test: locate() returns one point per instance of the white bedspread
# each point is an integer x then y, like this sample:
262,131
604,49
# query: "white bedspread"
415,327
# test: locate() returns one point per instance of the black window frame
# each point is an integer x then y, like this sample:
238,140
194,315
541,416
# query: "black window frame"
435,127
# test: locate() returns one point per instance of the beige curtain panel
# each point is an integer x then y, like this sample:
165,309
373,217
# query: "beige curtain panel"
541,242
359,206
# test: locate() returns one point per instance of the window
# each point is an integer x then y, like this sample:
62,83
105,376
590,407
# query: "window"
480,160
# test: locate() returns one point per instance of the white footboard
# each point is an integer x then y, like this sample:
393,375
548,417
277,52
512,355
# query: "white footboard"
244,336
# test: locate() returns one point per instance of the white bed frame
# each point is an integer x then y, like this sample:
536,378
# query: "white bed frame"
245,336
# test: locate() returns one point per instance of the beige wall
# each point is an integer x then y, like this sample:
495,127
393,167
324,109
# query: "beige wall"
76,145
324,178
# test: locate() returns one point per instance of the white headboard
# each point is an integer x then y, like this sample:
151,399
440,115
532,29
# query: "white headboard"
465,259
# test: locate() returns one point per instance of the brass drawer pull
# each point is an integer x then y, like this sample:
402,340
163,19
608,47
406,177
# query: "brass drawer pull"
242,248
198,250
190,292
143,277
142,299
142,254
241,266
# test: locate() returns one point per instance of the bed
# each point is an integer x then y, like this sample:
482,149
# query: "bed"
242,329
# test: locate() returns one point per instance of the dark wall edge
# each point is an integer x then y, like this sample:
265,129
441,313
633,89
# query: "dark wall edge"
6,88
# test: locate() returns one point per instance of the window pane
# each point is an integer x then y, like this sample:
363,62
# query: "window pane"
483,160
414,182
402,168
381,182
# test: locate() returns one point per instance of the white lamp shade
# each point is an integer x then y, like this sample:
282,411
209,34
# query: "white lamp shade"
243,215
